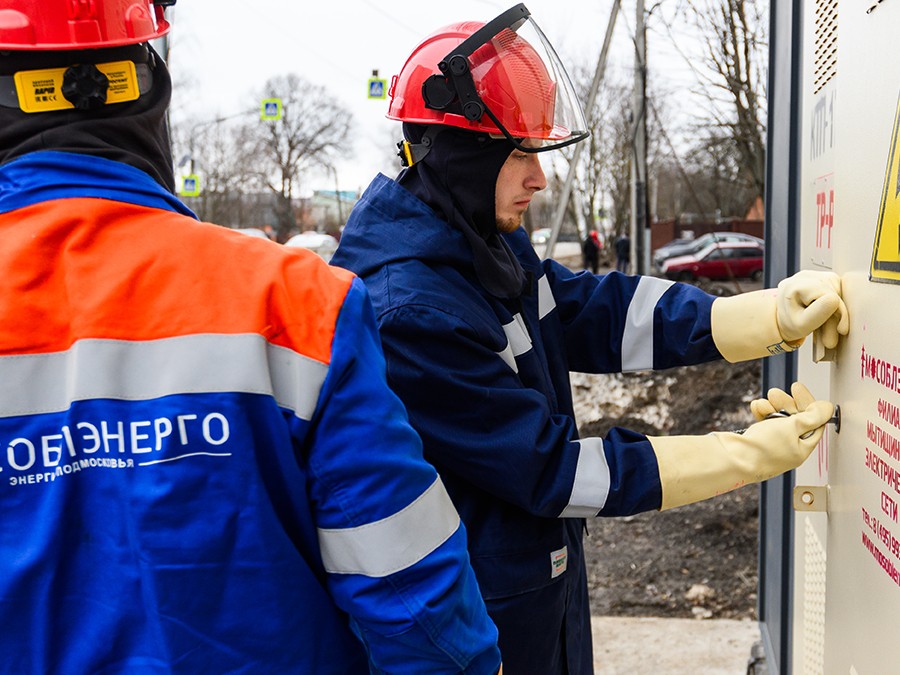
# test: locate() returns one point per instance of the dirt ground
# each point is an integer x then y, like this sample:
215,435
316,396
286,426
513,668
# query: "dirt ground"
695,561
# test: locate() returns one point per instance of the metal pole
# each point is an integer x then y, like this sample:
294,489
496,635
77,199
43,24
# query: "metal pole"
640,231
337,193
573,163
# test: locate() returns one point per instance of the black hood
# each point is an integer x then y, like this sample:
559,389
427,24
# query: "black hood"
457,179
135,133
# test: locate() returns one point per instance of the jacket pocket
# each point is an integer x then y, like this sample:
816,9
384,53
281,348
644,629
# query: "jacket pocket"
504,575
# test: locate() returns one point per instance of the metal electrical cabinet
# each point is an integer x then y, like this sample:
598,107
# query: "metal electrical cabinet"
836,606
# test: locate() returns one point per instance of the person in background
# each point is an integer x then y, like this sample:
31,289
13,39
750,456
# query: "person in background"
480,336
623,253
204,470
590,252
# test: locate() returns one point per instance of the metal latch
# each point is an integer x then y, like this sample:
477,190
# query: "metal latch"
811,498
820,351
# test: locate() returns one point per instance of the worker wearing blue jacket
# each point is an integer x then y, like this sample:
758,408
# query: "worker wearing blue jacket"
202,469
480,336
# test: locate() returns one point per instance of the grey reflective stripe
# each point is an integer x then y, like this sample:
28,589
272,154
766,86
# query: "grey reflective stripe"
394,543
296,380
637,340
517,334
591,485
141,370
508,358
518,341
546,301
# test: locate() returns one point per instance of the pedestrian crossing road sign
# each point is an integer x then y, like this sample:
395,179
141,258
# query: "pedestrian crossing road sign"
270,109
190,186
886,254
377,88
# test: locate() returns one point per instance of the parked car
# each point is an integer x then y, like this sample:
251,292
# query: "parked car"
718,261
662,252
694,246
323,244
541,235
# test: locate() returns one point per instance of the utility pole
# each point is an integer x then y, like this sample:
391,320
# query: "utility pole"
640,227
337,193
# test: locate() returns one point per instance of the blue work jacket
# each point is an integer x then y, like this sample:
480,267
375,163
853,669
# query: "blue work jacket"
202,469
486,384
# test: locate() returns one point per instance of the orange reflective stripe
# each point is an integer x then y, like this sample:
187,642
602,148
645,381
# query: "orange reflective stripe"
91,268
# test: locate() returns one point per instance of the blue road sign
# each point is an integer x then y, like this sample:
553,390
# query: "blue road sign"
270,109
377,88
190,186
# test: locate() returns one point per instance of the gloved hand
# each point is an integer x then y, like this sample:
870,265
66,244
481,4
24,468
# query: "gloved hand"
809,301
777,400
694,468
773,321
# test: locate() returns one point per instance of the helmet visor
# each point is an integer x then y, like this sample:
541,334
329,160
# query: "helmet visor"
519,83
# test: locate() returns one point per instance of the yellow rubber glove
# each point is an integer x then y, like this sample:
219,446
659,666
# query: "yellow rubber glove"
777,400
773,321
811,301
694,468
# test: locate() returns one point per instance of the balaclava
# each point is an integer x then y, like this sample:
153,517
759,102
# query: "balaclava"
457,179
135,133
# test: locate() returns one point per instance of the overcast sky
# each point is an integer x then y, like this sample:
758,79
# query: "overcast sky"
222,51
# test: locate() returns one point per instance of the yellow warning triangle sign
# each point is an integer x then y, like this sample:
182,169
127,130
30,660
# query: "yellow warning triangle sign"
886,253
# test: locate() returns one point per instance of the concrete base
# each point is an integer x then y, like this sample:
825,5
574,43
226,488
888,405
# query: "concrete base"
672,646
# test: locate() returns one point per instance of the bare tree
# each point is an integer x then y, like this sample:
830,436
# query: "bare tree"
704,178
592,185
314,128
620,155
601,182
221,151
732,73
719,176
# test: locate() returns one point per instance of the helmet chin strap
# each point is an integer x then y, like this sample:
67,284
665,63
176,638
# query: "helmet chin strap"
410,153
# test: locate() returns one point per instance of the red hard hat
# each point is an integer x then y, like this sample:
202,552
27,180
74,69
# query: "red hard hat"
54,25
509,76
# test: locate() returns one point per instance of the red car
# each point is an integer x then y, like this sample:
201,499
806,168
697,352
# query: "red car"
733,260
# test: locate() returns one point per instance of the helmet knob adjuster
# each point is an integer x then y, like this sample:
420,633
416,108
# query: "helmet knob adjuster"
438,93
453,90
458,65
473,110
85,87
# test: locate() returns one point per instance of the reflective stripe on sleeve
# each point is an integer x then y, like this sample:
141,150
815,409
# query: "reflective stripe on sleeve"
394,543
133,371
637,340
517,334
591,485
546,301
508,358
518,341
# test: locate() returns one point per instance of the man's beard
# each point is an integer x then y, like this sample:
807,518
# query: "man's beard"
507,225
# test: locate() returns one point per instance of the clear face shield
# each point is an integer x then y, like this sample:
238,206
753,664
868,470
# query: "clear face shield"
507,79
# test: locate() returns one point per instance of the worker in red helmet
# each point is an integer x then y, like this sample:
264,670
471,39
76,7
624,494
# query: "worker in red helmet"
202,469
480,336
